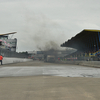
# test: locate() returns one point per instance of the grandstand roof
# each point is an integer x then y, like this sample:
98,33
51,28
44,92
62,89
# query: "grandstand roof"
8,33
85,40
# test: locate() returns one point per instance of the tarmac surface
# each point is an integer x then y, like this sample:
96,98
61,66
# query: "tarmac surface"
50,82
52,69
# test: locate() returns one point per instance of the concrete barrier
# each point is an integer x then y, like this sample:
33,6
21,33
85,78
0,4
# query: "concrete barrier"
90,63
83,63
7,60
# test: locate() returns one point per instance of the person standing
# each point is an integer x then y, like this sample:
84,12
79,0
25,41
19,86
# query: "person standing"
1,59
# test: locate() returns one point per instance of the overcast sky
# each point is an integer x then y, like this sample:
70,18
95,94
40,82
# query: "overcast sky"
42,23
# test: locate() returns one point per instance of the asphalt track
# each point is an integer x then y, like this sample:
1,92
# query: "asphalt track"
38,68
48,81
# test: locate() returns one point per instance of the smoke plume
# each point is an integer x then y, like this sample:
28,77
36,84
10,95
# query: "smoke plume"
43,33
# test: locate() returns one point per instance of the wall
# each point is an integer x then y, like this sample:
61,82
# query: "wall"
83,63
7,60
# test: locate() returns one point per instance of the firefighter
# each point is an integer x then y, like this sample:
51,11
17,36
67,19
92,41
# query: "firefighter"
1,59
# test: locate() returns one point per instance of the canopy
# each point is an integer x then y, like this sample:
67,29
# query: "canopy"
8,33
87,40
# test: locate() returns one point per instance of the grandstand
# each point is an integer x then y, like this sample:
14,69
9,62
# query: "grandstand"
87,43
8,43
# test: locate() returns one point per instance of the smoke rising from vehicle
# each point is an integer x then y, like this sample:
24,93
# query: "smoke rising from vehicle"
43,33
